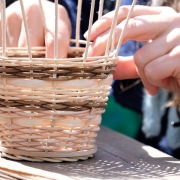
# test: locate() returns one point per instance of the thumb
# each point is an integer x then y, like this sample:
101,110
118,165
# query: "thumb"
125,69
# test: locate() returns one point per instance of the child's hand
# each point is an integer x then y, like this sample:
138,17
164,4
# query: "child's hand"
39,36
137,29
158,62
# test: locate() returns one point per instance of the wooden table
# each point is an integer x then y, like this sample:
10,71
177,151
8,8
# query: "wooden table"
118,158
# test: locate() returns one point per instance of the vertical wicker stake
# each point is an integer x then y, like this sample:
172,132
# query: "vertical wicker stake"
89,29
113,27
26,30
3,26
56,45
101,4
54,105
42,14
30,59
124,29
3,16
56,31
114,33
78,24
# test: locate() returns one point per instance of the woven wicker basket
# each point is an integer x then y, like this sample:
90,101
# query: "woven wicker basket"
50,109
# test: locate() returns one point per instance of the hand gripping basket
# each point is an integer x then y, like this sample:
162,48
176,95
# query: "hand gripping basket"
50,109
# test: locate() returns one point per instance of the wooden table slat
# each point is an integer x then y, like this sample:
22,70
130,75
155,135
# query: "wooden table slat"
118,157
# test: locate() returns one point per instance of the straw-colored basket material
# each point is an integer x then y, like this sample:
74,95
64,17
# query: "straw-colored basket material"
52,115
50,109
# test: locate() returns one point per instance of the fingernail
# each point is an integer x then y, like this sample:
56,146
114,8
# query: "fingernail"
165,82
90,51
86,34
153,91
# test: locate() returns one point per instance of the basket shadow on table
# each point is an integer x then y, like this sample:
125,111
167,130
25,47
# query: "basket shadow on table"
111,167
108,169
112,170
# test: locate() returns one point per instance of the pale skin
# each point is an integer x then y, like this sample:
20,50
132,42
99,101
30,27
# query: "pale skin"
39,35
158,62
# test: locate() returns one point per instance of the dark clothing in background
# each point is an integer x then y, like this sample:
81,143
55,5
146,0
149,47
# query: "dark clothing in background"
132,97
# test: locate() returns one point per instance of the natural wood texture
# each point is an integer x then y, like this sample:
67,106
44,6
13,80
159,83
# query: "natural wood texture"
118,158
10,170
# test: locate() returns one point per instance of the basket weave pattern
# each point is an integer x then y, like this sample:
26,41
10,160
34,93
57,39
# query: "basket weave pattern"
50,109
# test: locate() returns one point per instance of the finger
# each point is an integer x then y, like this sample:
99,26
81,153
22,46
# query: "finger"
148,53
64,33
159,47
0,33
104,23
13,34
150,88
99,45
35,27
141,28
125,69
13,24
63,42
161,69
